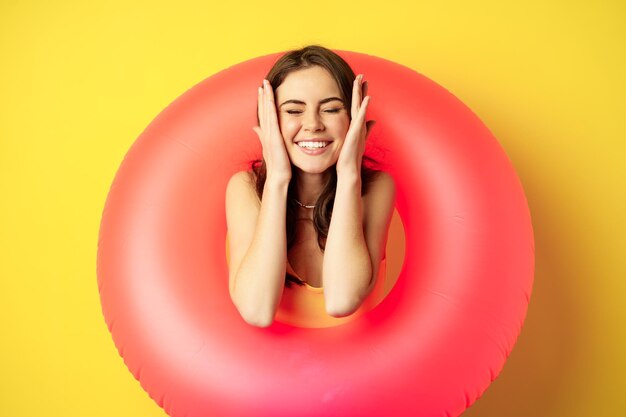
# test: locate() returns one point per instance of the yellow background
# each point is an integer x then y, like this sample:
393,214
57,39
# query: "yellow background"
79,81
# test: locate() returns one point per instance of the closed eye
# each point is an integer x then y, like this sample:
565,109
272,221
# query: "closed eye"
333,110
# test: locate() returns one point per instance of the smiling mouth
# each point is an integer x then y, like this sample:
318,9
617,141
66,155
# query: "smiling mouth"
313,144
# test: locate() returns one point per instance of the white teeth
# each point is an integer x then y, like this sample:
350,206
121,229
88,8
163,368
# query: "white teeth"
312,144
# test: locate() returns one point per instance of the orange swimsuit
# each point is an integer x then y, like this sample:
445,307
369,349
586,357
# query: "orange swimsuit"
303,305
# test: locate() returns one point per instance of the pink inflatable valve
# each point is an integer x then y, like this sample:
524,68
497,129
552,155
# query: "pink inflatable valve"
430,348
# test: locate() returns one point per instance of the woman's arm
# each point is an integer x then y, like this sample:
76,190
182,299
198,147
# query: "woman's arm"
357,234
356,241
347,268
258,239
258,247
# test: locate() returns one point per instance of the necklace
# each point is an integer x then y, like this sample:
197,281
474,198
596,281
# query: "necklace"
304,205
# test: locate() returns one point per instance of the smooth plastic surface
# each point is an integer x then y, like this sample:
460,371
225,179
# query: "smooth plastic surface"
429,349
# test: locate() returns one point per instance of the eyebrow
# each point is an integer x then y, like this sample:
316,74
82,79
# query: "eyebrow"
324,101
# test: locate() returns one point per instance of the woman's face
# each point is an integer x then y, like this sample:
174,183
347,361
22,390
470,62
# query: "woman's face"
312,117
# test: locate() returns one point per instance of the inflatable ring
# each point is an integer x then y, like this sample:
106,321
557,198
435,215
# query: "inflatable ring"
430,348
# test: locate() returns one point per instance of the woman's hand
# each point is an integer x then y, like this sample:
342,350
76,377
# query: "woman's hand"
274,151
351,154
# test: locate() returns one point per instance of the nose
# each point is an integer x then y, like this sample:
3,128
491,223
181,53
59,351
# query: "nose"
312,122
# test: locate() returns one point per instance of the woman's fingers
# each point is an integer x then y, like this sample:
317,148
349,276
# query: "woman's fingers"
266,107
274,150
359,91
270,104
261,107
363,109
356,95
360,122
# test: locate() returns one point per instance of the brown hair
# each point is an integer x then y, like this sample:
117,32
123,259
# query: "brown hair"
306,57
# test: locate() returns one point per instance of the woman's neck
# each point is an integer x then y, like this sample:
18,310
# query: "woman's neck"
310,186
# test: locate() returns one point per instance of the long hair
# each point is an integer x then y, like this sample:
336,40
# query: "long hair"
306,57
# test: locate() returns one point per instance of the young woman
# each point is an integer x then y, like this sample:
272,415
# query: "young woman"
310,212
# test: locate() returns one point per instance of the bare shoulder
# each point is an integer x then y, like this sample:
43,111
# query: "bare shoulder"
241,178
379,201
241,189
382,188
242,210
242,205
378,206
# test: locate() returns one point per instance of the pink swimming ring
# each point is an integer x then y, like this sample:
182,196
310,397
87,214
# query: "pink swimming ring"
430,348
